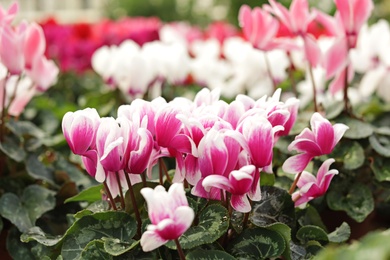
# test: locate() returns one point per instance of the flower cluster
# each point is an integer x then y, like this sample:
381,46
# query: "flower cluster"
220,149
24,69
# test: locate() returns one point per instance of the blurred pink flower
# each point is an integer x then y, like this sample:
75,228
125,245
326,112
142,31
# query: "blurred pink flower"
169,214
259,27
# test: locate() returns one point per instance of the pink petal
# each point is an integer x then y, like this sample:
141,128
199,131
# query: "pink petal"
241,181
183,218
216,181
245,20
178,195
361,12
312,50
139,158
296,163
339,130
345,10
150,240
299,10
336,58
305,179
305,145
240,203
34,45
322,171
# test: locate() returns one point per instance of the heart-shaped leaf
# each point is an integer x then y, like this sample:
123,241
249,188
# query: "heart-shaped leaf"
308,233
341,234
257,243
213,223
355,199
115,225
275,206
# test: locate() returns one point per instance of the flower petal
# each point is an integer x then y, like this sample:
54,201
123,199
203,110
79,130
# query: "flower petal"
150,240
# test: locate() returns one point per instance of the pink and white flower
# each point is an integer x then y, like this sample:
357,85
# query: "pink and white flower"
311,187
241,184
320,140
169,214
80,128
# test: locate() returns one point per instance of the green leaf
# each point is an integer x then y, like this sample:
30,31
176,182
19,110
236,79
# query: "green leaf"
267,179
355,199
341,234
12,209
372,246
76,175
380,168
310,216
38,170
24,211
357,129
100,225
298,252
89,195
275,206
351,154
381,144
199,254
16,248
285,232
36,234
115,247
213,223
37,200
139,199
333,109
257,243
94,250
25,129
308,233
12,147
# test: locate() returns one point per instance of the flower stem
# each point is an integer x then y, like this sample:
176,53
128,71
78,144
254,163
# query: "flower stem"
143,177
313,83
109,195
346,101
269,71
164,167
120,190
180,250
134,203
160,173
291,70
294,184
3,108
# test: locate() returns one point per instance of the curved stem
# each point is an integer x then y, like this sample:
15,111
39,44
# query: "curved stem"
346,101
120,190
134,203
109,195
160,173
269,71
294,184
291,70
313,82
3,108
180,250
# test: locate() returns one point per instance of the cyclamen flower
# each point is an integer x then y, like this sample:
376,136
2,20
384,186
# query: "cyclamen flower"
80,128
259,27
319,141
311,187
169,214
241,184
